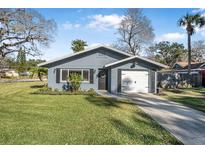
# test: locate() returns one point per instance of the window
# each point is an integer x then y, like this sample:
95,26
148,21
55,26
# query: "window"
85,74
79,72
64,75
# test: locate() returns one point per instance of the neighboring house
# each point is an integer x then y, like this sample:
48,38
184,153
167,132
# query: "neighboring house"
24,73
197,68
8,73
184,65
105,68
181,68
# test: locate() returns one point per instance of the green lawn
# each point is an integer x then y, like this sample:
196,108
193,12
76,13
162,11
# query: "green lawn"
27,118
192,97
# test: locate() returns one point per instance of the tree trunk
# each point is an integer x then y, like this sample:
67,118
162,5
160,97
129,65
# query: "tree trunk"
189,54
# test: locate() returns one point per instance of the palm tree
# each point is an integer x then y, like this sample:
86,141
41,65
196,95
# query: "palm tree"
78,45
191,22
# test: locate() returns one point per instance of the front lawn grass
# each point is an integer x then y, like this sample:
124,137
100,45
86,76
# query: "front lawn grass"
27,118
192,97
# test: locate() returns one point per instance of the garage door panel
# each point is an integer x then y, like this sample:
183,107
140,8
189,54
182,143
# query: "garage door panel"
134,81
127,84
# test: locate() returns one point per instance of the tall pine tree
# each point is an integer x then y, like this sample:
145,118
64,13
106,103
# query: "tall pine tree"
21,61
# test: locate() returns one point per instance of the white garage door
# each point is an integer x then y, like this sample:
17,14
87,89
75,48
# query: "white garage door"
134,81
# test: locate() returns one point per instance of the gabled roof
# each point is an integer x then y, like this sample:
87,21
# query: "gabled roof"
194,65
181,64
203,65
136,57
84,51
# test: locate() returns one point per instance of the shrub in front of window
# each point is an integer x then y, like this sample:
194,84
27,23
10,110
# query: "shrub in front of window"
75,80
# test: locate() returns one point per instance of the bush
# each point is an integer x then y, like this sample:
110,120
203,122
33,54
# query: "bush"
75,81
48,91
39,71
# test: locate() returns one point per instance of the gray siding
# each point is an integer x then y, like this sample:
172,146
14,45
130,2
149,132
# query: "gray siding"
96,59
109,80
139,65
91,60
152,81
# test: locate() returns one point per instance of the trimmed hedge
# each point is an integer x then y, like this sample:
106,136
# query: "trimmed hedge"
48,91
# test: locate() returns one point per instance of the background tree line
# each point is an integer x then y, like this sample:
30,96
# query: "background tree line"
136,35
24,32
169,53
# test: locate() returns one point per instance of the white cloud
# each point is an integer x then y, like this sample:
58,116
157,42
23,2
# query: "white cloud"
97,44
104,22
68,26
198,10
94,44
171,37
201,31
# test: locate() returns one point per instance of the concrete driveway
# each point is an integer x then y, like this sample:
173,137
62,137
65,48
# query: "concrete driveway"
185,123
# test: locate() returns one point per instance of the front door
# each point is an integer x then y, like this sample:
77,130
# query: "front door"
102,79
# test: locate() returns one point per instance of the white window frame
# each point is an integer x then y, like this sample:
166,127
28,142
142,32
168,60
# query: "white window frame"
61,70
75,69
86,81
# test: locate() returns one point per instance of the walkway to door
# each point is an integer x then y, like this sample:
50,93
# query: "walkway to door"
185,123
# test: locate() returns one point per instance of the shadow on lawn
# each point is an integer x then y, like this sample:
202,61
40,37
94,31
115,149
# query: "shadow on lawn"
107,102
199,90
176,91
139,121
37,86
144,137
185,90
196,103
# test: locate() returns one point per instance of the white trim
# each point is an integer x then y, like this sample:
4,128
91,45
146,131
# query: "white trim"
88,81
182,70
187,72
75,69
86,50
133,57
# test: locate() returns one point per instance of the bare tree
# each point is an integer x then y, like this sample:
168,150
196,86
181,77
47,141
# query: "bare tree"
24,29
135,31
198,51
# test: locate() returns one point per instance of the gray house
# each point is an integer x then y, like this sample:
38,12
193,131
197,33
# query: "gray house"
105,68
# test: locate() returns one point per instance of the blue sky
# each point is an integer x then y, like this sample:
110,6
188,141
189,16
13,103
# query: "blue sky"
100,26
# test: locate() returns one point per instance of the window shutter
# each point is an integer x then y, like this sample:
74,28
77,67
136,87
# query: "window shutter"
119,80
91,75
58,75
